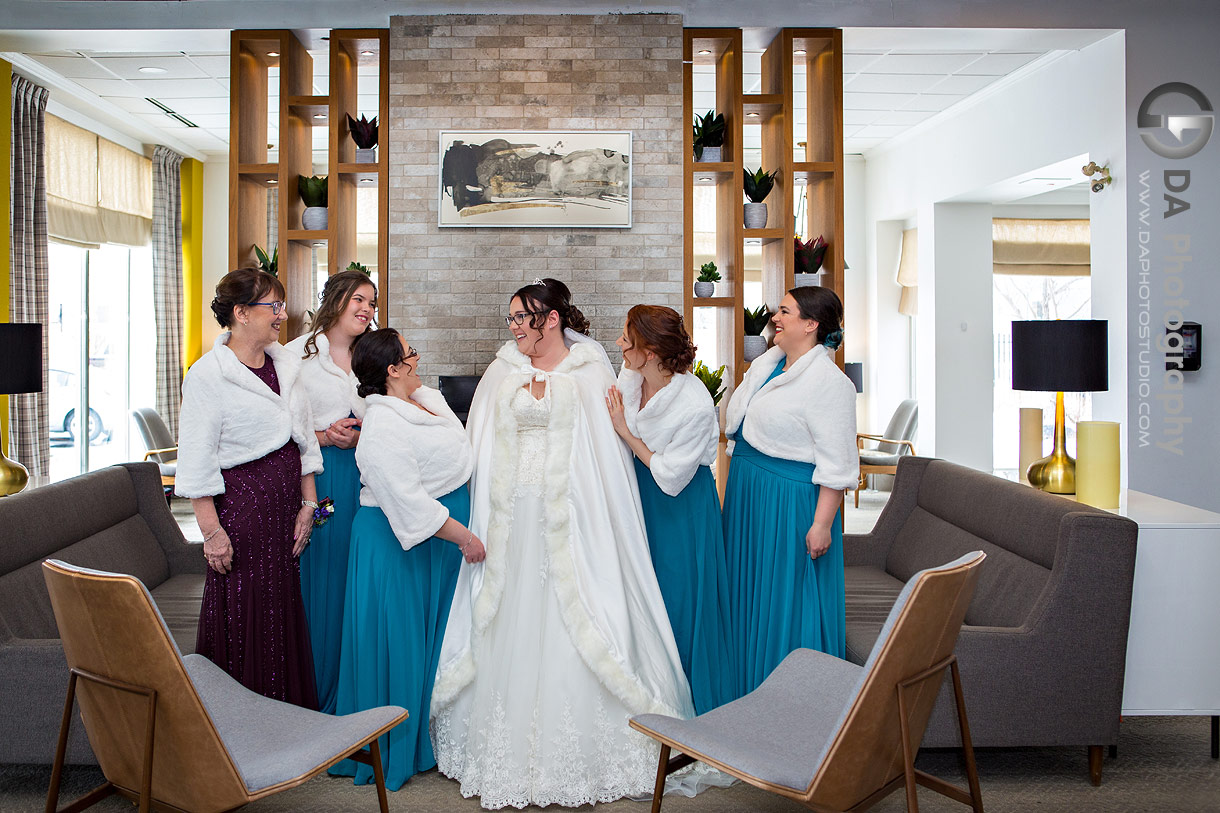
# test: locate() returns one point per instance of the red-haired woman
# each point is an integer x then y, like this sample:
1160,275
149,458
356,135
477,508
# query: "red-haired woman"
667,417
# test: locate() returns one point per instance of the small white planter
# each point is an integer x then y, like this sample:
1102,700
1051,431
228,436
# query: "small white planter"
710,155
806,280
756,215
368,156
754,346
314,218
703,289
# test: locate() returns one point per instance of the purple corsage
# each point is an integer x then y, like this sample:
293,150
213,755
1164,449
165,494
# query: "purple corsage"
324,511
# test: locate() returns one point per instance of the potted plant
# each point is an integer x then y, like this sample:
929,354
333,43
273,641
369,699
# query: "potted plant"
709,136
270,264
355,266
364,133
313,195
705,284
808,257
712,379
756,320
758,185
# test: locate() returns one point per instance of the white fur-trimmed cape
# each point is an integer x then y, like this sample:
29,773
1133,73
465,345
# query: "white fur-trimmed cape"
806,414
679,425
332,392
594,535
408,459
229,417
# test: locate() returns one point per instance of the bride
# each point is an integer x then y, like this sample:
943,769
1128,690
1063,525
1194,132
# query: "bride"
562,634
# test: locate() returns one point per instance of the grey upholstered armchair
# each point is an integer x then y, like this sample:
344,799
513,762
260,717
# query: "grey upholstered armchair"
898,440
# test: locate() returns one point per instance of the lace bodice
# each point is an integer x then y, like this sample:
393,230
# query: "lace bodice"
532,416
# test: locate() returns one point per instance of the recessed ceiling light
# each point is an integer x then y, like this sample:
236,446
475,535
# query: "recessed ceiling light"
273,53
319,245
752,115
319,115
272,181
367,53
704,52
800,52
706,180
152,69
366,180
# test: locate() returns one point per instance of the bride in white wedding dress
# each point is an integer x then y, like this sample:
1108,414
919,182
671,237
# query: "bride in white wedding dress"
561,634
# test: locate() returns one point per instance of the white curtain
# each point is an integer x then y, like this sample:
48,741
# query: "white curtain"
908,273
1057,248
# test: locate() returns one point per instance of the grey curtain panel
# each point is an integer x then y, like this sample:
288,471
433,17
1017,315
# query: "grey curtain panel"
29,427
167,281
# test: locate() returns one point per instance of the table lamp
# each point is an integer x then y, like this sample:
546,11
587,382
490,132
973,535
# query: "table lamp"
1064,355
20,372
855,371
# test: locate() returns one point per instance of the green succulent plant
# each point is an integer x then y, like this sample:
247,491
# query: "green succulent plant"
756,320
708,273
712,379
270,264
759,184
708,131
313,190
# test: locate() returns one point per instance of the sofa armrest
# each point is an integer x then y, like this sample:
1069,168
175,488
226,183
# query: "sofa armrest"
34,674
874,548
865,549
182,556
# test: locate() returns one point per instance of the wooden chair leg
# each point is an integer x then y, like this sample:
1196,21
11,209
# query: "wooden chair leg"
379,776
1095,755
908,758
61,749
662,770
972,771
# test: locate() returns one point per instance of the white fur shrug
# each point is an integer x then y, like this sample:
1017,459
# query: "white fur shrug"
229,417
806,414
408,458
331,392
679,425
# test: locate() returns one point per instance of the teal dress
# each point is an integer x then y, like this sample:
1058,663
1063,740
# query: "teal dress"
324,569
687,549
779,598
397,607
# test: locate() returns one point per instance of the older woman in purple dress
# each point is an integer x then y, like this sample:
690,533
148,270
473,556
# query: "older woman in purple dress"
247,456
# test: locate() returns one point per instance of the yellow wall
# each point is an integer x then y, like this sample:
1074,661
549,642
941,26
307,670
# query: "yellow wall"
192,261
6,125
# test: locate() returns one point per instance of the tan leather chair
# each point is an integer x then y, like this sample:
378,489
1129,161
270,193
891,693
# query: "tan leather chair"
835,736
178,733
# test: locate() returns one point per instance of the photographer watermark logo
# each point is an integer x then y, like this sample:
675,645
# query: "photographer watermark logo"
1198,122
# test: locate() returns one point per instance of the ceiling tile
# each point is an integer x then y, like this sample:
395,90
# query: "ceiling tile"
908,118
132,104
854,63
859,118
962,83
160,121
180,88
858,145
128,67
214,65
201,107
881,130
998,64
933,102
73,67
923,63
892,82
876,101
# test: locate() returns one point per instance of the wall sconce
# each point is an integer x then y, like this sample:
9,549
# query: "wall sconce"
1097,184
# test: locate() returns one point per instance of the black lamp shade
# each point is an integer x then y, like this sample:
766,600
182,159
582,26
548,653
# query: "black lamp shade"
20,358
1064,355
855,371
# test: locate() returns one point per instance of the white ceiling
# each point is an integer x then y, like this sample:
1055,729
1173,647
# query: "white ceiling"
895,81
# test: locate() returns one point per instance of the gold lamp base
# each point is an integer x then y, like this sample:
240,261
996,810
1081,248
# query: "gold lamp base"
13,476
1055,473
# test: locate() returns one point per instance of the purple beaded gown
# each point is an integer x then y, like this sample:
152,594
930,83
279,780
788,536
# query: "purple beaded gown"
252,623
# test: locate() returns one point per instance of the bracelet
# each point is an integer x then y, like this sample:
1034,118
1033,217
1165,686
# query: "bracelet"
309,504
213,533
469,539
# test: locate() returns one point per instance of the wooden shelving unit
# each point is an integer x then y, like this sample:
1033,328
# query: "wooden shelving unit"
251,175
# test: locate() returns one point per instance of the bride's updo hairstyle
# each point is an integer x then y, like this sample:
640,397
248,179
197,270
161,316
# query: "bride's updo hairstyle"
372,353
824,307
546,295
660,330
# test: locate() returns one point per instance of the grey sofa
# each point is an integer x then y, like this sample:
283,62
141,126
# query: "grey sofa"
113,519
1044,645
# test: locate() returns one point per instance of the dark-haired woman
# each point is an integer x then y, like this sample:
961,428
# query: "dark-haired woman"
561,635
792,430
408,539
667,417
349,304
247,457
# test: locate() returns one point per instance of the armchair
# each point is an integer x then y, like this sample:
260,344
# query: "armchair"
162,449
898,441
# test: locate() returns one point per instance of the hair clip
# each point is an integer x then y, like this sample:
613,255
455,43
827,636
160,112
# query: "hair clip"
537,281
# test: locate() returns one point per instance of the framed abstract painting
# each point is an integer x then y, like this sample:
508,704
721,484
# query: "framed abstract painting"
538,179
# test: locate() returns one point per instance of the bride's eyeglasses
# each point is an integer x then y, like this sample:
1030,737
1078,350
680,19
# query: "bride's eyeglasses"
412,353
518,318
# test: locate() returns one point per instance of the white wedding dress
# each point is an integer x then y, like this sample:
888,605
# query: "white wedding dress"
561,634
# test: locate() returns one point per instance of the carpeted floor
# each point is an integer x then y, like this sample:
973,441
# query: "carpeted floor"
1163,766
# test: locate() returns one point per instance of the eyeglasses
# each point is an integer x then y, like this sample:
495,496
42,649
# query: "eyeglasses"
276,307
519,317
412,353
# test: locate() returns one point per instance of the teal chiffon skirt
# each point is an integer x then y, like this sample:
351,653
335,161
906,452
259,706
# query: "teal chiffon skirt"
779,598
687,547
397,607
324,569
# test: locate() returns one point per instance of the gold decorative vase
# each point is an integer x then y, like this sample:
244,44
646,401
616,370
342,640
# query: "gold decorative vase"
1056,473
13,476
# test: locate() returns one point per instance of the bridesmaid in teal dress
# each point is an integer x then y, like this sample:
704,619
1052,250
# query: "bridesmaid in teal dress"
349,306
666,415
792,426
408,540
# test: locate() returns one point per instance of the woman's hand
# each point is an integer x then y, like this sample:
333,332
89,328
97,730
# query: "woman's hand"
473,550
618,417
218,551
343,433
304,527
817,540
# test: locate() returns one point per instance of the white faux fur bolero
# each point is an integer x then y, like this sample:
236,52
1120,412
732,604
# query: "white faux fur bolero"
807,413
332,392
679,425
229,417
408,458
